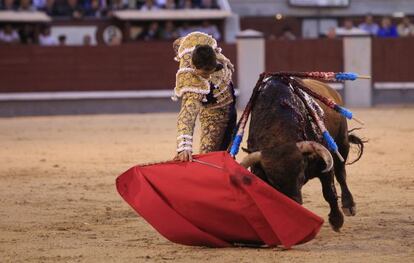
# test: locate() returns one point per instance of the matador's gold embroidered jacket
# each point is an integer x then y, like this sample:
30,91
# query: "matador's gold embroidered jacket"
194,89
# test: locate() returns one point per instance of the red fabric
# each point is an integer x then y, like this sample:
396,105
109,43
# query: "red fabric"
197,204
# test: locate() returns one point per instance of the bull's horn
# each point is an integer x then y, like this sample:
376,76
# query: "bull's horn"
251,159
314,147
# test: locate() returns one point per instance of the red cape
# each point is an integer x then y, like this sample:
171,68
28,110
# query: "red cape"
197,204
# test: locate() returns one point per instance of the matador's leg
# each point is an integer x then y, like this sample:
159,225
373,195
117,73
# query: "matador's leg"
213,125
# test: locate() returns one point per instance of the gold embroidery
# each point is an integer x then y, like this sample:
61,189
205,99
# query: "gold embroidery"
193,89
213,125
190,107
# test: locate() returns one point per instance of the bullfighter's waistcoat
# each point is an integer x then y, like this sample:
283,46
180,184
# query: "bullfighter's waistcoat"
212,99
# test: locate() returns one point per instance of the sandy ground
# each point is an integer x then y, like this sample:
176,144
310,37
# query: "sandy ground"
59,202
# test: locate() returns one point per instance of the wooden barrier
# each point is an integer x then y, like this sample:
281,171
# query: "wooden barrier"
150,65
392,64
304,55
393,59
138,66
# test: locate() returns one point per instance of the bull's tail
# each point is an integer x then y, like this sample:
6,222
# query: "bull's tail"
354,139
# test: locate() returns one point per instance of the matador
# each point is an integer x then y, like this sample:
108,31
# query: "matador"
204,83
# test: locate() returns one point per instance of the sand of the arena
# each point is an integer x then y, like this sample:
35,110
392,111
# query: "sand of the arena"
59,202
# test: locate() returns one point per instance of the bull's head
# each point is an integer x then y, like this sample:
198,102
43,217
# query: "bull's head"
284,165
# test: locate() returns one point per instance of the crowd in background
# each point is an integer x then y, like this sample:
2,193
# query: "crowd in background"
402,27
79,9
26,36
167,31
385,29
170,30
100,8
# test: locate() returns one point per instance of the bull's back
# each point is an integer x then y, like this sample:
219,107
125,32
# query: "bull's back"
334,122
274,122
323,89
277,117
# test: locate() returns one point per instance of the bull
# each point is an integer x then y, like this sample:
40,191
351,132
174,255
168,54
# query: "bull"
284,150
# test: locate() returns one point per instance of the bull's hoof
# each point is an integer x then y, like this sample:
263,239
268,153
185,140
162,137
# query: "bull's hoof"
349,211
348,204
336,221
335,229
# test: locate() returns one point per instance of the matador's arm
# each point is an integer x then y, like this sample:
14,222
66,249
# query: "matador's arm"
190,108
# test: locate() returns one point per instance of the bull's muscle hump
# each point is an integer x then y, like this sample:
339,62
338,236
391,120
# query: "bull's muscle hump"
274,117
334,121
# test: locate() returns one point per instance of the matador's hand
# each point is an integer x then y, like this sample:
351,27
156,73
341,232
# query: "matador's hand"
184,156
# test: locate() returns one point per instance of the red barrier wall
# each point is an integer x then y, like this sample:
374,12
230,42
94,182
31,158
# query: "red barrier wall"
304,55
146,65
393,60
150,65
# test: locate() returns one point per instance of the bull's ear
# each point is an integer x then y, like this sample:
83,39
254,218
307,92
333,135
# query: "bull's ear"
246,150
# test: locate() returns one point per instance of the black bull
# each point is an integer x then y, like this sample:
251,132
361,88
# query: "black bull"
279,120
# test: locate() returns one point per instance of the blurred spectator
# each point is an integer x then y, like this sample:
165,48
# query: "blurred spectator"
136,4
46,39
68,8
210,29
185,29
405,28
131,4
331,33
387,28
87,40
75,9
62,40
196,3
149,5
60,8
91,8
287,34
169,32
206,4
369,25
39,4
170,4
116,5
153,32
9,5
26,5
49,7
27,35
9,35
209,4
160,3
187,4
349,29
